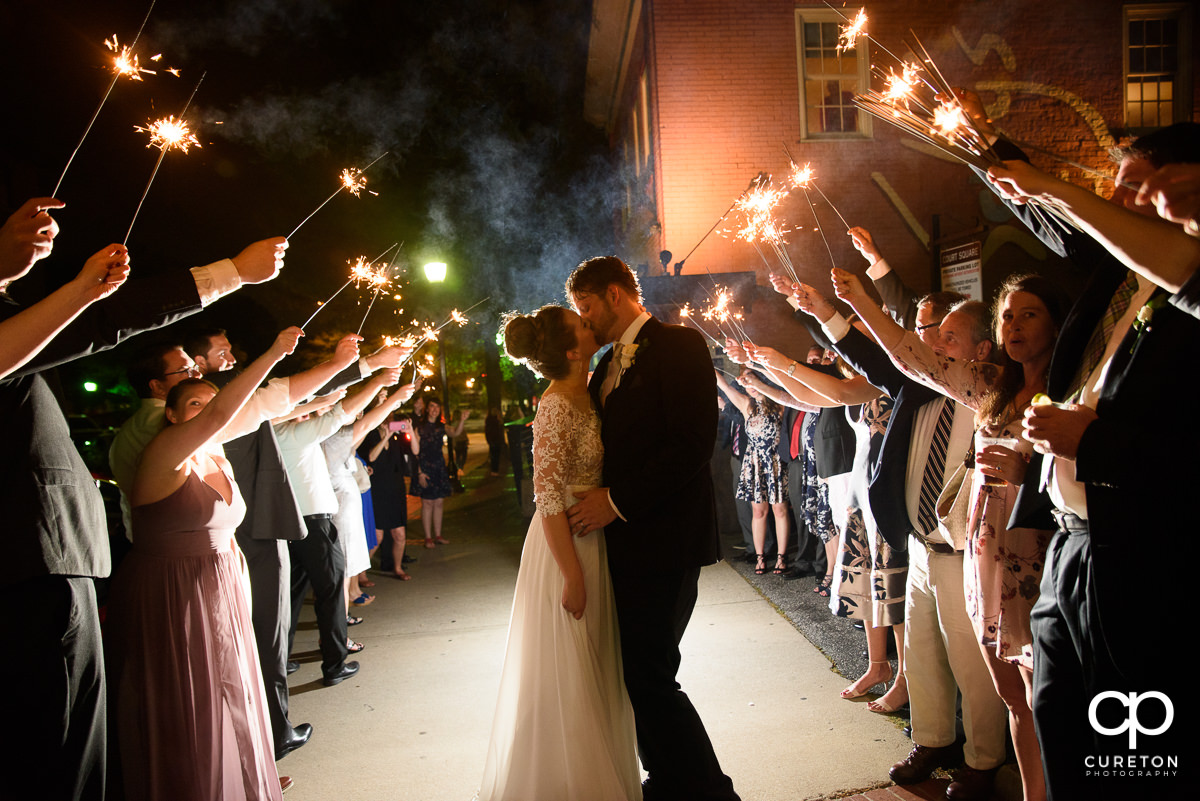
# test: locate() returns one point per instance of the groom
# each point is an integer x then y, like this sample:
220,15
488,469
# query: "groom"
657,394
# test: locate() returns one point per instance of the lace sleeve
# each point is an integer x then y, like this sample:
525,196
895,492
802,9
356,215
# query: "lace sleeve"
552,445
965,382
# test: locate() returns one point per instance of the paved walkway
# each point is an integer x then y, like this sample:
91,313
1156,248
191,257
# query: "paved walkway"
414,723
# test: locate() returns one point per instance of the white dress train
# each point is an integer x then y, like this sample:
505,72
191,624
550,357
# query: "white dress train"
563,729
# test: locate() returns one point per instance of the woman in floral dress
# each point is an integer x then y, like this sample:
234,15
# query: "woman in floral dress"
1003,566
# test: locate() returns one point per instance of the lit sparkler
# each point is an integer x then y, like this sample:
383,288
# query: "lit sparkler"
169,133
686,313
125,63
361,272
351,179
851,31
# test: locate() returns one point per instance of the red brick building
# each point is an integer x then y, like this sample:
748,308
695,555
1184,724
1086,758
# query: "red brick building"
698,96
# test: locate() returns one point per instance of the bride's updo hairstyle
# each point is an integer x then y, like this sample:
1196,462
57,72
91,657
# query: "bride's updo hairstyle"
540,340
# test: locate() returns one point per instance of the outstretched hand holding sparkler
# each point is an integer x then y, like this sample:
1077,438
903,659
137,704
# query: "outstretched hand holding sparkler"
261,261
848,287
813,303
1174,191
736,353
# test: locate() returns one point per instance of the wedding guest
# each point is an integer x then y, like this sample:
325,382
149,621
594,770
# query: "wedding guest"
191,707
1003,565
320,558
433,481
493,433
870,571
60,752
1117,355
386,452
762,482
929,435
273,518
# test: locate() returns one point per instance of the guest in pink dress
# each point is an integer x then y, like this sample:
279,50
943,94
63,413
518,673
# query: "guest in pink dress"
190,705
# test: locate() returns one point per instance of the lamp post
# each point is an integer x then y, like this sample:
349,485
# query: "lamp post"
435,273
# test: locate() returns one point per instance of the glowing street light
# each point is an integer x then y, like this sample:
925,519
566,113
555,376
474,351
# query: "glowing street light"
435,272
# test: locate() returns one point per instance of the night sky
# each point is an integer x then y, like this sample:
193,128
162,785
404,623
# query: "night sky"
479,103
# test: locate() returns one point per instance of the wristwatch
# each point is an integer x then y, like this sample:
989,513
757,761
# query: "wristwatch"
791,369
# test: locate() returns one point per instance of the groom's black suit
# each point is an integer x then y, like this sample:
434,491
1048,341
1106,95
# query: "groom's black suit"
659,426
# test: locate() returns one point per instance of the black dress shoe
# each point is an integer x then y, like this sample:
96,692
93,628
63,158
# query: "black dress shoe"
348,670
293,740
921,762
407,560
292,667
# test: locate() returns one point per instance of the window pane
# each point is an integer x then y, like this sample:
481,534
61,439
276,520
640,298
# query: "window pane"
1153,31
812,36
1170,58
1137,33
1153,59
1137,60
829,34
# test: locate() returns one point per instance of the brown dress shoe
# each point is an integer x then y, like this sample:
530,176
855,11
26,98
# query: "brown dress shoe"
922,761
969,784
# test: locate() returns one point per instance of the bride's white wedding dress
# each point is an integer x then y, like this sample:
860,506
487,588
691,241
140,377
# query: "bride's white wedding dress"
563,729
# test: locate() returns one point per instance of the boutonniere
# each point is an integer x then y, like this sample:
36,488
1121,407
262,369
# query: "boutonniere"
628,355
1145,315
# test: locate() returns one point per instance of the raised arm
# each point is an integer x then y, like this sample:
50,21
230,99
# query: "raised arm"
965,382
375,417
1157,249
738,398
305,383
775,393
896,295
25,334
161,470
462,421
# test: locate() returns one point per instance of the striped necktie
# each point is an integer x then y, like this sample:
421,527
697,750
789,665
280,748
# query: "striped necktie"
1098,342
935,466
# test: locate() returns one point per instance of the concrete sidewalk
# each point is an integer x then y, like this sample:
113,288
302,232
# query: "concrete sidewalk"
414,723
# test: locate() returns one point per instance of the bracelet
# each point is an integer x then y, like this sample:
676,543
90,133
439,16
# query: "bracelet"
791,371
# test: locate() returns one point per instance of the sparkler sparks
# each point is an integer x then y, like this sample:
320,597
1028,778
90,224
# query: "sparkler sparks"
168,133
351,179
948,120
125,62
851,31
899,91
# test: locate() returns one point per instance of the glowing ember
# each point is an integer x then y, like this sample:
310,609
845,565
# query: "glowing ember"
125,62
756,206
169,133
719,310
363,272
425,372
900,87
802,176
948,118
430,333
851,31
458,317
686,311
353,180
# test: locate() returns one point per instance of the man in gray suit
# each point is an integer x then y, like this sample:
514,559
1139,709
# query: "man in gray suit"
57,541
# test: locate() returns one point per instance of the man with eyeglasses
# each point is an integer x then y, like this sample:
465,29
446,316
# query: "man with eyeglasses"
153,371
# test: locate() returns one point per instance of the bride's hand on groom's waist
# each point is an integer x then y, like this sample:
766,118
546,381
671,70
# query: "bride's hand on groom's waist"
591,513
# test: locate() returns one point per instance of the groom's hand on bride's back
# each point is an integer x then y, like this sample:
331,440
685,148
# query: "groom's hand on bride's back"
592,513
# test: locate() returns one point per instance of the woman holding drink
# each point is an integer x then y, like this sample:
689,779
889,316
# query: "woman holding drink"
1003,566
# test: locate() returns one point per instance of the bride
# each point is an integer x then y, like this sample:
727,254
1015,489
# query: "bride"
563,729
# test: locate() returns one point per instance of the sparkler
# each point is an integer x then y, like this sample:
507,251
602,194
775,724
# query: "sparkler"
940,120
351,179
754,182
166,134
361,271
125,63
850,33
686,313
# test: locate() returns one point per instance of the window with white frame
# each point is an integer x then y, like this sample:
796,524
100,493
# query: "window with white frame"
830,78
1157,62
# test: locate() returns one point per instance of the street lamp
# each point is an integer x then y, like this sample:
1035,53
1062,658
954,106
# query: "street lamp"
435,273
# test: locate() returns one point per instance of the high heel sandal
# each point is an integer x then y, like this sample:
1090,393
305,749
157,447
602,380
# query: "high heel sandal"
851,693
886,708
824,586
760,566
780,564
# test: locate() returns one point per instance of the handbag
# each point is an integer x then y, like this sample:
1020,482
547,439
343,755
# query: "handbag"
361,477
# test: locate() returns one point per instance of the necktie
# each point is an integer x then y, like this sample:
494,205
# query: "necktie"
613,374
1102,334
935,466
